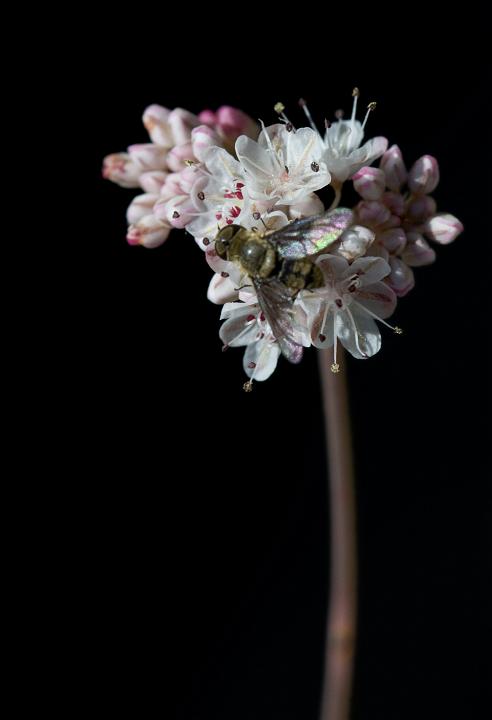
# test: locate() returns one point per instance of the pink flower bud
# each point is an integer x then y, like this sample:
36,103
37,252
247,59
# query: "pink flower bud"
392,222
394,240
370,183
355,242
121,169
401,279
394,202
177,157
424,175
372,213
182,123
203,138
443,228
155,120
152,181
394,168
221,290
420,209
233,122
208,117
140,206
149,232
148,156
418,251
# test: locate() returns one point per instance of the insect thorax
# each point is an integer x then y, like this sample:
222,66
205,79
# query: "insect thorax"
255,255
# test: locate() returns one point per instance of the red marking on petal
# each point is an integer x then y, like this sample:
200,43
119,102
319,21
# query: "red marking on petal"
322,338
239,185
251,365
250,318
239,195
262,316
218,216
229,221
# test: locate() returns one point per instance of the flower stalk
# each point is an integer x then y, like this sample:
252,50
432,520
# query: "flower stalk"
342,608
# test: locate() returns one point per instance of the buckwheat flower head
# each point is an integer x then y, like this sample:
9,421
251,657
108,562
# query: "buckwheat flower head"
288,273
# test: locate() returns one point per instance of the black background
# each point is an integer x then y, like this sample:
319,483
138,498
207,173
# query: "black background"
205,532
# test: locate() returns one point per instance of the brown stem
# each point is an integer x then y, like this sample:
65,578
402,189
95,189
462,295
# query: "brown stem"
341,622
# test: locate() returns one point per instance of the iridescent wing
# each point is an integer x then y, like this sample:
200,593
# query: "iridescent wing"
275,300
310,235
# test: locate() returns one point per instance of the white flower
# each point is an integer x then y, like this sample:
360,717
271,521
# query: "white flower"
245,324
284,166
347,306
341,151
221,198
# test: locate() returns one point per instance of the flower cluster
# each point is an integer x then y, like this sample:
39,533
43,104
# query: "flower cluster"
289,272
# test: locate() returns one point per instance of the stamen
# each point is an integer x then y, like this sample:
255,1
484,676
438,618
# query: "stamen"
248,386
355,95
206,241
201,195
269,142
370,108
279,109
314,166
302,104
175,214
395,328
339,114
224,274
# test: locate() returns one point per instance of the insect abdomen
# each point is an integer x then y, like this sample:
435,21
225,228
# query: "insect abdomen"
300,274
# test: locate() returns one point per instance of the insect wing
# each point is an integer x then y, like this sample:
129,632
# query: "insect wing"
311,235
275,300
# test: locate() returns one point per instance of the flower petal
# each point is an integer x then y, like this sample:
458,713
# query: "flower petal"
260,359
369,269
379,298
221,290
358,333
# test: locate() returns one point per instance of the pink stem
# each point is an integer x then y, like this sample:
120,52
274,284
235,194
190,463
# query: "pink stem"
341,623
